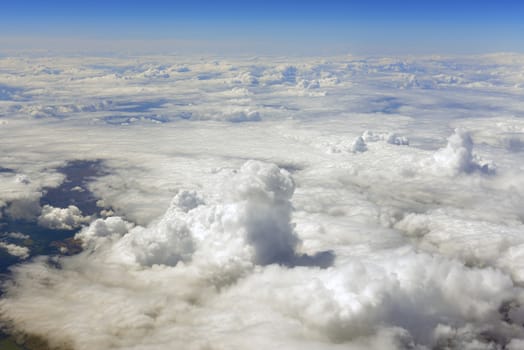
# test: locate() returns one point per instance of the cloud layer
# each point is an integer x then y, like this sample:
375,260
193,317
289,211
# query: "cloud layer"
315,203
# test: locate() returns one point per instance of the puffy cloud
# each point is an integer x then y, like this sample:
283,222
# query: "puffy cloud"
23,179
198,249
251,224
457,157
402,299
61,218
228,260
15,250
246,78
18,235
392,138
359,145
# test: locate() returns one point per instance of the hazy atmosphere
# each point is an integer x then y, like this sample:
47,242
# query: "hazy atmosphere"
261,175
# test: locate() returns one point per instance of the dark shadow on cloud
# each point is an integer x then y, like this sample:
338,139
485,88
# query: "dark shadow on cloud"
386,105
185,115
477,106
323,259
208,76
118,120
289,75
291,167
138,106
514,144
281,107
111,68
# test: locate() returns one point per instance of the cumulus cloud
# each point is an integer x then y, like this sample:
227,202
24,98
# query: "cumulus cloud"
359,145
18,235
457,157
392,138
353,241
220,262
15,250
363,303
250,225
61,218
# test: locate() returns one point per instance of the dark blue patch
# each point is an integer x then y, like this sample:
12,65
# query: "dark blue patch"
386,104
119,120
185,115
208,76
289,75
11,93
111,69
156,119
279,106
139,106
6,170
78,173
45,241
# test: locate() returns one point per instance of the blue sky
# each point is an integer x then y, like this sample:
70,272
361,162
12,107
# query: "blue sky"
361,26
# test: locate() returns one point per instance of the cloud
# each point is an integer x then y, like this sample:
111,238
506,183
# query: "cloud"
232,114
11,93
61,218
392,138
457,157
340,219
18,235
362,303
15,250
359,145
195,270
281,75
25,207
250,225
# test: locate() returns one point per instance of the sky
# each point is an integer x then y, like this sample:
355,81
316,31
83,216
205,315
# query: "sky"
357,202
291,26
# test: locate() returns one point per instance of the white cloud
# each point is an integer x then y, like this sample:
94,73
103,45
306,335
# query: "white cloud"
18,235
392,138
457,157
62,218
250,225
359,145
15,250
192,273
198,247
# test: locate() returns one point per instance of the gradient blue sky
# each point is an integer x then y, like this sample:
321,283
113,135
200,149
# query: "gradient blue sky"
327,26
